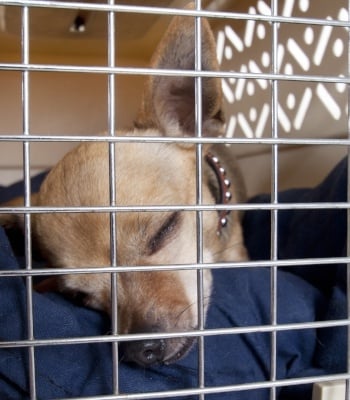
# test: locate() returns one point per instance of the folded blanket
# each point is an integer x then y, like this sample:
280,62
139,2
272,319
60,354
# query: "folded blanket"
241,297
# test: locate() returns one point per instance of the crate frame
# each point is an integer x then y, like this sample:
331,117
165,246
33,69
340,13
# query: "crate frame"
111,70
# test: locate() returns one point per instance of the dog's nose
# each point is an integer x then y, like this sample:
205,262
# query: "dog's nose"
145,352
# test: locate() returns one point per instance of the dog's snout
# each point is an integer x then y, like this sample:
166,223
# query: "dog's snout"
145,352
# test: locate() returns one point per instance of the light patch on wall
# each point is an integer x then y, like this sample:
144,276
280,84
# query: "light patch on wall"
328,101
322,44
298,54
302,109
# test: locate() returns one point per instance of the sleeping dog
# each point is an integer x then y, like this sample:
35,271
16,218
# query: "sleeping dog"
162,174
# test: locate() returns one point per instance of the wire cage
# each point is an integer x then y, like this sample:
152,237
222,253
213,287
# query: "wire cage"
73,69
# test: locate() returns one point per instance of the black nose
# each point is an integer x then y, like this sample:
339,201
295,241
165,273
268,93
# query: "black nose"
145,352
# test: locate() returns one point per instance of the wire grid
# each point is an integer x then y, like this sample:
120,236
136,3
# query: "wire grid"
27,137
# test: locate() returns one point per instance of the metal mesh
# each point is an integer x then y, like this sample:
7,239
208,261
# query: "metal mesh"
275,141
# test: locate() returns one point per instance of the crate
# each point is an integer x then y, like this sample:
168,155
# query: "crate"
71,70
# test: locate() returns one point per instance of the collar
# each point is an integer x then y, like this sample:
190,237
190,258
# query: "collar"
224,185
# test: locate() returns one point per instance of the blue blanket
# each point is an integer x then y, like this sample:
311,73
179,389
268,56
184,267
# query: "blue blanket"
241,297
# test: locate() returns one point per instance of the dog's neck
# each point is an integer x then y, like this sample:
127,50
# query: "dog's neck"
224,194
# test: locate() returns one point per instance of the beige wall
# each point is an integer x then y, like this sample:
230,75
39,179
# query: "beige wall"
302,167
59,104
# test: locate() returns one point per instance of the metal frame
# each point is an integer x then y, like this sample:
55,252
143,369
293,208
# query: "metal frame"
27,137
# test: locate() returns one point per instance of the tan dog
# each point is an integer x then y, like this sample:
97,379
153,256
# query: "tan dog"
147,174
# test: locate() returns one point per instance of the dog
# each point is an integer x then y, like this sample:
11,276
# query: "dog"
159,173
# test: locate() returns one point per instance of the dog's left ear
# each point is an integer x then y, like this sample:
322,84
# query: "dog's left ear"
168,103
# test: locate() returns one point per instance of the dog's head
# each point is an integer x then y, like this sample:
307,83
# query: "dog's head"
148,174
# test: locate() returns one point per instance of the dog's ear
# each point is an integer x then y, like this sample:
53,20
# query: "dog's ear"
168,103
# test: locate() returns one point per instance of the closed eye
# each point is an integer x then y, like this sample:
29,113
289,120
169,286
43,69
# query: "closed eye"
166,231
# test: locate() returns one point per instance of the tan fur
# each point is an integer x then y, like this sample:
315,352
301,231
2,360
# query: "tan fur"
146,174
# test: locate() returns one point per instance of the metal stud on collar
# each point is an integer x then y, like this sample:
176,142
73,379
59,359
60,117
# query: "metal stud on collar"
224,186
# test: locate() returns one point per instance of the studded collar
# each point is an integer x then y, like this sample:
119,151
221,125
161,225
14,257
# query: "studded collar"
224,185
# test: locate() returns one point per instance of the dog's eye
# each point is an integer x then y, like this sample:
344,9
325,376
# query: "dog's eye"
164,233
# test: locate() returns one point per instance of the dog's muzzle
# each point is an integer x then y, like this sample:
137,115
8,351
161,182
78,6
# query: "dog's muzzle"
144,352
156,351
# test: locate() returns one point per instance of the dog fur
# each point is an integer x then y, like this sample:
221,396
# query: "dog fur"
146,174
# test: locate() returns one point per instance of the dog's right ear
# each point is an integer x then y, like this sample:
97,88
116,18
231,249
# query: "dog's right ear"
168,103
